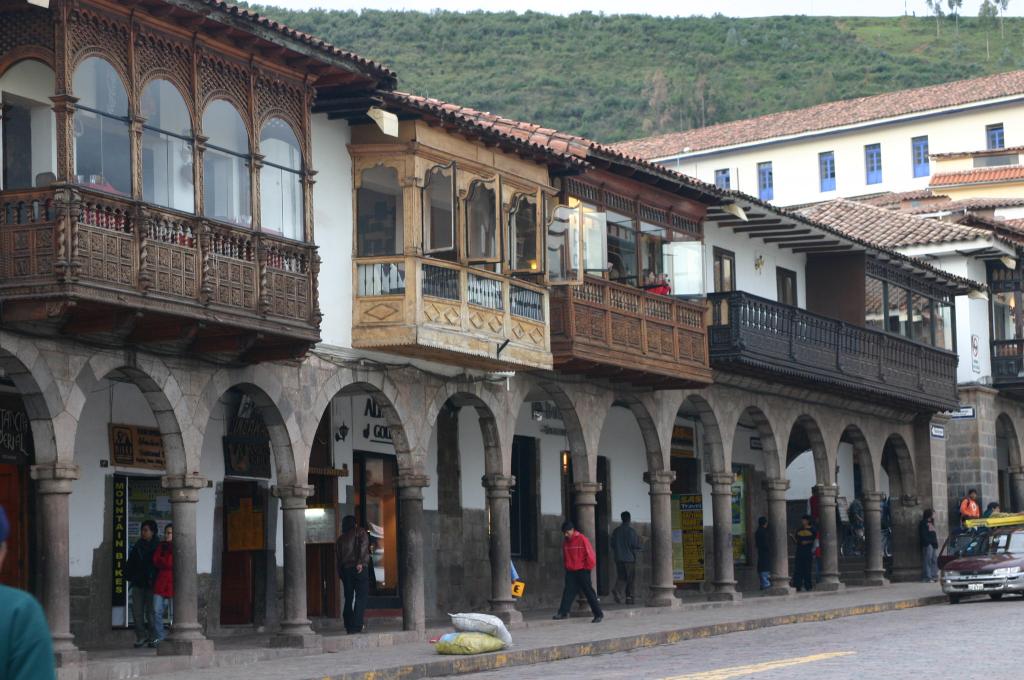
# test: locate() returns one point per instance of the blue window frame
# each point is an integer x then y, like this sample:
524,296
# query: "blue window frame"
765,182
827,170
873,163
994,138
919,153
722,180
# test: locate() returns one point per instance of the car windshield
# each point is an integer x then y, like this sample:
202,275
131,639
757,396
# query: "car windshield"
968,544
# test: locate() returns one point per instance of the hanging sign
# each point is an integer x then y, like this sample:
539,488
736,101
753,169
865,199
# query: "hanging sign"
134,446
15,431
119,584
247,444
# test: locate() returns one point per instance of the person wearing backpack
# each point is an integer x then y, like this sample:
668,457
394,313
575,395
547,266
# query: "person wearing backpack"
141,574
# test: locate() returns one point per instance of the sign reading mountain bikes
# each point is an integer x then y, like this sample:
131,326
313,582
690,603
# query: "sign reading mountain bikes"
15,431
247,444
134,446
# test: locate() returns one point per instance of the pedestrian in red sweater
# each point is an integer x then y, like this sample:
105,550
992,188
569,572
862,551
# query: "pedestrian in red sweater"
579,559
163,585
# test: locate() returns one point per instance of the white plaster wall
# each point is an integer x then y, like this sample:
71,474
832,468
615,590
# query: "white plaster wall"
551,447
795,161
332,223
749,279
623,445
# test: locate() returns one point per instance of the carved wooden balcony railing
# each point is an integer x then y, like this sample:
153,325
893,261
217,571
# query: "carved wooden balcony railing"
85,263
750,334
462,315
1008,365
623,333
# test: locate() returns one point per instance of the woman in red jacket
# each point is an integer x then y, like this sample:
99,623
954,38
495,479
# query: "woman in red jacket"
163,586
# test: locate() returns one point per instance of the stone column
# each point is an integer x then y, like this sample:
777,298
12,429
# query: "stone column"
295,628
53,487
662,588
1016,489
874,569
721,515
904,514
585,499
410,534
828,537
499,495
186,636
776,490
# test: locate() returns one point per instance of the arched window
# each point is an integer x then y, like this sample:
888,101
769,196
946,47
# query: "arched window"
522,220
28,129
281,204
379,213
226,180
102,146
482,222
439,210
166,148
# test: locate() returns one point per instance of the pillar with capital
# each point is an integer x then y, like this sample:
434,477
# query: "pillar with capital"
828,536
53,488
874,570
1017,488
776,491
723,579
499,495
295,628
186,636
662,588
410,536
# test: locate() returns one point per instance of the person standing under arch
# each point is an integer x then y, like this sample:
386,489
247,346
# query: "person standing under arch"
354,569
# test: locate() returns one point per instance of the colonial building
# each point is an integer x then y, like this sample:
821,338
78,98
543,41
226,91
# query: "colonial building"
867,145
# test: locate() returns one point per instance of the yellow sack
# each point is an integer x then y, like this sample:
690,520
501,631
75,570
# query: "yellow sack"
468,643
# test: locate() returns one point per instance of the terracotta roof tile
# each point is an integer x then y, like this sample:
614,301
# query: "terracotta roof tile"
889,228
999,173
829,115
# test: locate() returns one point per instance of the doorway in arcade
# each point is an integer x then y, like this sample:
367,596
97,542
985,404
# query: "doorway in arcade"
16,455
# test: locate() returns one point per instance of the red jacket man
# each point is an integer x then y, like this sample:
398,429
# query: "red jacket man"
578,555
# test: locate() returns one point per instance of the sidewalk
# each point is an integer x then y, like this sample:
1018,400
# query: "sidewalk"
400,655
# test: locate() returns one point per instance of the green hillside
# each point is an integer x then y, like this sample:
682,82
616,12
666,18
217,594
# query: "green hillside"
618,77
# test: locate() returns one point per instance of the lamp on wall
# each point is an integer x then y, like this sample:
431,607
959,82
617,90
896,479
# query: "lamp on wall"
1008,262
759,262
975,294
735,210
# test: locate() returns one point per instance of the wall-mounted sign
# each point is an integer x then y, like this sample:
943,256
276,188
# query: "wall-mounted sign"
688,538
134,446
683,442
119,586
739,515
938,432
755,444
963,413
375,429
975,354
247,444
15,431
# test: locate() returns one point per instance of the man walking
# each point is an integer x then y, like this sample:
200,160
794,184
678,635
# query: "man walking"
805,538
163,584
140,573
763,541
625,546
969,508
354,569
579,559
26,650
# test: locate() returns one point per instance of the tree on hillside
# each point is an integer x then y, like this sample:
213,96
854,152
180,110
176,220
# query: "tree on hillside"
935,7
954,7
1003,4
988,13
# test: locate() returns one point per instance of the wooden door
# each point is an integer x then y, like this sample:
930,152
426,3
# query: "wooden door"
602,519
237,580
321,581
14,499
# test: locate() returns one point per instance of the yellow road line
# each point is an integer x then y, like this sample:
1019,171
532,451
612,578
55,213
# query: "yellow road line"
740,671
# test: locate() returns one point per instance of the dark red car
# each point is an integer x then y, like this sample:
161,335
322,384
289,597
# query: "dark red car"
983,562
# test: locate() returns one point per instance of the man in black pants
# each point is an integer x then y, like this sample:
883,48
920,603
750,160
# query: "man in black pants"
579,559
804,538
354,569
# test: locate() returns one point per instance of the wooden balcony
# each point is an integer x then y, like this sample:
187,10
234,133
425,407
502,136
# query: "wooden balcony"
120,272
614,331
752,335
439,310
1008,366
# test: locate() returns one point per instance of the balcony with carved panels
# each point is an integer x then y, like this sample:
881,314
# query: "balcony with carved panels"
756,336
623,333
115,271
449,312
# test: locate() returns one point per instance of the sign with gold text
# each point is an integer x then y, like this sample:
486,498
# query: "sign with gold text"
134,446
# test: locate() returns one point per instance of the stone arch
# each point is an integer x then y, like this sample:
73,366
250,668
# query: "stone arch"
898,463
655,454
53,429
492,415
1006,432
852,434
774,465
808,427
713,444
162,393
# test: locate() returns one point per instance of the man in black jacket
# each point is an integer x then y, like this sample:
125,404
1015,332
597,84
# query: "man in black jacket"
929,546
140,575
763,541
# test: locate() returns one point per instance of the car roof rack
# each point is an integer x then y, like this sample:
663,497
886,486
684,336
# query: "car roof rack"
1002,519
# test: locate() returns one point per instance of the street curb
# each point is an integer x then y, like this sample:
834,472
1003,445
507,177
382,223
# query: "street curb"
457,665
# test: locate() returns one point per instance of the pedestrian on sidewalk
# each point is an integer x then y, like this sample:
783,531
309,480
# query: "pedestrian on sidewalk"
969,508
763,542
625,545
579,559
805,538
354,569
929,547
26,649
163,584
140,573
